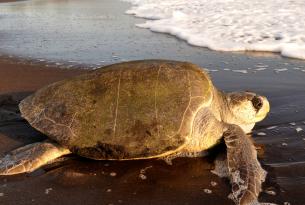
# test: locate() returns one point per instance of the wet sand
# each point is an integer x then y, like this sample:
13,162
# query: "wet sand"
76,180
17,75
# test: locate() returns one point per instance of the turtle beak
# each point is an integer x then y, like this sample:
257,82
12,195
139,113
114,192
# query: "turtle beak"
263,107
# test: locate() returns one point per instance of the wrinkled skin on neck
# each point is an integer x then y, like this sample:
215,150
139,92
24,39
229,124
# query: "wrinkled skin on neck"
237,108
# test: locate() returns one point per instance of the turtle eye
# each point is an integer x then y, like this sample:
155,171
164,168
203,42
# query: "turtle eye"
257,103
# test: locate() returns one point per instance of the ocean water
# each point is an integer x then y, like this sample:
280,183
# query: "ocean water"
91,33
229,25
98,32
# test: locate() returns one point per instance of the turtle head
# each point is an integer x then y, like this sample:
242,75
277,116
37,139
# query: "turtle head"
247,107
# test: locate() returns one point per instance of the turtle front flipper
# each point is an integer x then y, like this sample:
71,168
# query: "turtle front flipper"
30,157
246,173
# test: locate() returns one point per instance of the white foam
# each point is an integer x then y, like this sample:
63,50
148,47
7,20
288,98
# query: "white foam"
299,129
284,144
229,25
280,70
240,71
261,66
260,69
271,128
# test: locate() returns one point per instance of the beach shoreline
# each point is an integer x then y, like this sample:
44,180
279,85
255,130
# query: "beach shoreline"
18,75
75,180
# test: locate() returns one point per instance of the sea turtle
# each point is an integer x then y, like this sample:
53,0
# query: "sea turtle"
141,110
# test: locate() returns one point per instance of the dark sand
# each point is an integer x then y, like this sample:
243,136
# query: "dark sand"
81,181
17,75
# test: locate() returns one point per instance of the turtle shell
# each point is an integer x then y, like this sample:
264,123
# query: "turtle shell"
138,109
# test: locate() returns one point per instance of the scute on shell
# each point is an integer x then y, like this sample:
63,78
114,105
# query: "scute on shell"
137,109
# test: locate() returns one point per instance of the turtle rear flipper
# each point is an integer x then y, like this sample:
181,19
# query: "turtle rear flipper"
246,173
30,157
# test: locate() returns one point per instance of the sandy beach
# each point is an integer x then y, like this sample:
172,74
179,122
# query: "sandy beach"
75,180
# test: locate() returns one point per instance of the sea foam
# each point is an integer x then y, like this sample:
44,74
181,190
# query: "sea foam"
229,25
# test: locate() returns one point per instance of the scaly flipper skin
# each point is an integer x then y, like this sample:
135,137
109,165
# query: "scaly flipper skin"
30,157
246,173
